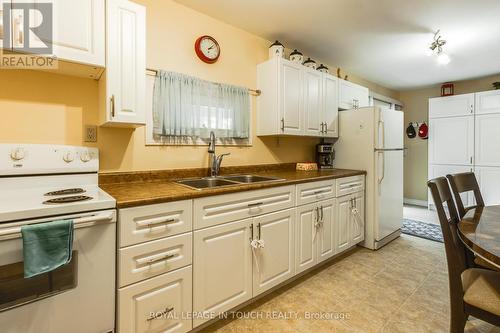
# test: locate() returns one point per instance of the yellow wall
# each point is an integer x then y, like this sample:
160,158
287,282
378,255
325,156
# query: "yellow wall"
416,109
40,107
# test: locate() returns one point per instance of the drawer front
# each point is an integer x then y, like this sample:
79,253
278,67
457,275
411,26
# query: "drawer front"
145,223
350,185
312,192
142,261
157,304
219,209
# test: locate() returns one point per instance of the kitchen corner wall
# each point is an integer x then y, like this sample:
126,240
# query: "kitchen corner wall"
416,109
41,107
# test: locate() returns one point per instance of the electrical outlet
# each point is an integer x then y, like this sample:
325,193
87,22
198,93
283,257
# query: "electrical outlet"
90,133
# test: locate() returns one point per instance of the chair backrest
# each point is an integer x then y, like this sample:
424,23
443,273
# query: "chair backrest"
465,182
455,249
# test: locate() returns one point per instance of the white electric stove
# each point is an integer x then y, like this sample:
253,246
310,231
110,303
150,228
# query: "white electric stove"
43,183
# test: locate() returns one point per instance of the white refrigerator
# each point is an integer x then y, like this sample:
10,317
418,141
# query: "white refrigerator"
371,139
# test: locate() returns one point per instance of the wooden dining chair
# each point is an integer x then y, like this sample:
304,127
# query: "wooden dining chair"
465,182
473,291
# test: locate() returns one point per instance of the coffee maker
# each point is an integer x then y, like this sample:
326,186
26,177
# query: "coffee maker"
325,155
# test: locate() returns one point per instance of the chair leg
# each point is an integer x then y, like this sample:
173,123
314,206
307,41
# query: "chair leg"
457,321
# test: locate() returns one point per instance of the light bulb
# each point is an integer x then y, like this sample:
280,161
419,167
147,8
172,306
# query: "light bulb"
443,59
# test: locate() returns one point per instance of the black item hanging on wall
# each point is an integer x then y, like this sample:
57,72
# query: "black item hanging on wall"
410,131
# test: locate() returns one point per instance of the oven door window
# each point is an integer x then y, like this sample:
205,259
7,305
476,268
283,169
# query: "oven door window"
15,290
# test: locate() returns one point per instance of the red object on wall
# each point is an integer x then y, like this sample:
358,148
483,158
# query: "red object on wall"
423,131
447,89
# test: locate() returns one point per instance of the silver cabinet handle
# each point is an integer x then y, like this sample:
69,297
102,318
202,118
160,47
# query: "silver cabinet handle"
153,222
165,257
282,124
319,192
322,216
255,204
160,314
251,232
326,128
316,210
259,231
112,106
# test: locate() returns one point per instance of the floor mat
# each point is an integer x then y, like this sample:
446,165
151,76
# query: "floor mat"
423,230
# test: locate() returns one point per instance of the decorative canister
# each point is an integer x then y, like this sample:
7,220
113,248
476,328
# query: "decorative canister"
276,50
310,63
297,57
322,68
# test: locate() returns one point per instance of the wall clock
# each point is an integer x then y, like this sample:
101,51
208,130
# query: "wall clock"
207,49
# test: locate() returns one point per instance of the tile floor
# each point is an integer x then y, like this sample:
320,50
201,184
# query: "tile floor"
401,288
420,213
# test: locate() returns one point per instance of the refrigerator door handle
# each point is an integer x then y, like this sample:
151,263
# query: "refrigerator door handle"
381,132
383,166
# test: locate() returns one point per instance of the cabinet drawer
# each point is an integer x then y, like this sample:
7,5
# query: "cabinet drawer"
145,223
215,210
350,185
312,192
139,262
157,304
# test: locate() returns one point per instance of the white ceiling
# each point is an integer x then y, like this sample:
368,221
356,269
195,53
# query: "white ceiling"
383,41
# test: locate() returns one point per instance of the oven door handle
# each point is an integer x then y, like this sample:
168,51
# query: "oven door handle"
80,222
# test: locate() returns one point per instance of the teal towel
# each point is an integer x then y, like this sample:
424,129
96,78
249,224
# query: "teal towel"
46,246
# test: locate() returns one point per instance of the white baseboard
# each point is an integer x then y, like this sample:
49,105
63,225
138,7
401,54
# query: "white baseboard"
415,202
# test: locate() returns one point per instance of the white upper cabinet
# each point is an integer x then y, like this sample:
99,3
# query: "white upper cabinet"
125,64
296,100
451,106
352,95
487,102
487,152
451,140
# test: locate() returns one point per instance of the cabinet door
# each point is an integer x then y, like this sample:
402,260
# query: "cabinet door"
305,237
330,110
343,220
126,62
487,102
325,238
222,262
78,30
352,95
275,262
489,182
443,170
451,106
451,140
291,120
487,152
159,304
312,102
357,221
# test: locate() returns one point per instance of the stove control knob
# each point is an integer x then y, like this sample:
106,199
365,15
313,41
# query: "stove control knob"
68,157
85,156
17,154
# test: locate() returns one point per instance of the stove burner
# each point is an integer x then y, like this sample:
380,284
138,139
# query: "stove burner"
70,199
66,191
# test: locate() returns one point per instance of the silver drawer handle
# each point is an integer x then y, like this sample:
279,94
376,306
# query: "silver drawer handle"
255,204
152,223
160,314
320,192
164,258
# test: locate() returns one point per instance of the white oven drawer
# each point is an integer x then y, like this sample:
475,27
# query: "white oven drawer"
142,261
219,209
157,304
315,191
145,223
350,185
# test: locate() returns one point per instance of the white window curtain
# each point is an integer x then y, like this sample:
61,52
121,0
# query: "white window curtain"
187,106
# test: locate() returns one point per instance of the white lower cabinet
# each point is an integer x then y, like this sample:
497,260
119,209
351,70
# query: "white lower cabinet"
343,213
351,220
489,183
357,219
325,238
159,304
274,263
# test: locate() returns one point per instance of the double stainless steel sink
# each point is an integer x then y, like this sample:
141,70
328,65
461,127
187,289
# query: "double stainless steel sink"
221,181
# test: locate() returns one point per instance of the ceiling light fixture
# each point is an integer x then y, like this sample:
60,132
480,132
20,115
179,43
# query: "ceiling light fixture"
436,49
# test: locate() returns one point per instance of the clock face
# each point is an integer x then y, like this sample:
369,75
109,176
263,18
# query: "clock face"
207,49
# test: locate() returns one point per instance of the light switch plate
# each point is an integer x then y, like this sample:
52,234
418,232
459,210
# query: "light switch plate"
90,133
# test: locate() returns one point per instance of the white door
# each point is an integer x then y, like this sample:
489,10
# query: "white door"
357,219
291,121
389,125
489,183
451,140
222,264
487,102
451,106
305,236
126,62
312,102
330,111
343,221
487,152
275,261
443,170
388,194
325,238
78,30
